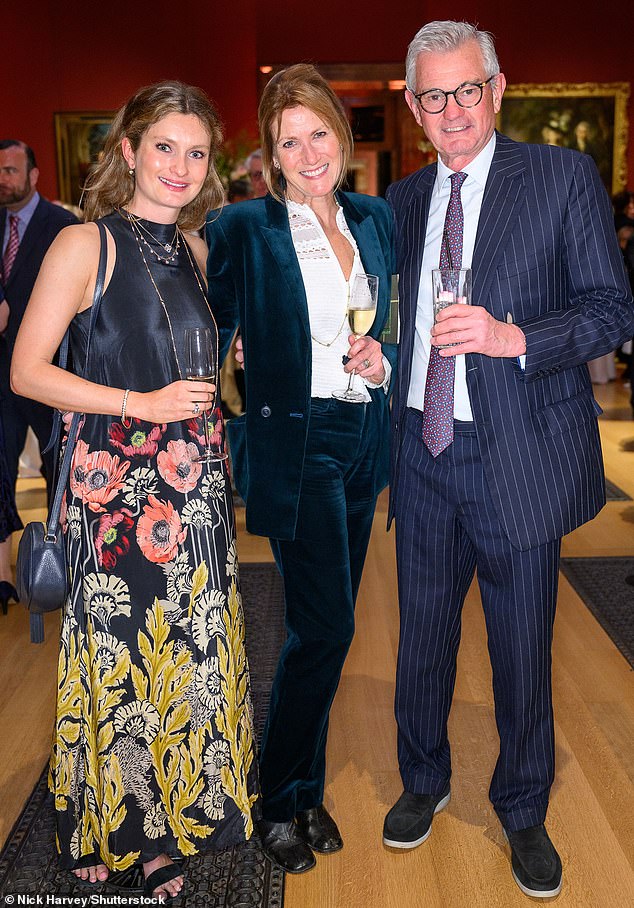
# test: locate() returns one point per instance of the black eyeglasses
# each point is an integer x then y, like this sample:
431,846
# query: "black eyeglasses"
469,94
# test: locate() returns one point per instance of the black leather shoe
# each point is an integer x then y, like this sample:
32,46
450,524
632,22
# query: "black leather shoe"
408,823
318,829
7,592
535,864
284,848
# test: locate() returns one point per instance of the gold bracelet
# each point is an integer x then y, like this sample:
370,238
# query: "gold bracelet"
123,406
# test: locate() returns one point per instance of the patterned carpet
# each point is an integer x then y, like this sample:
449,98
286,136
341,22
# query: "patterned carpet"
613,493
606,585
240,877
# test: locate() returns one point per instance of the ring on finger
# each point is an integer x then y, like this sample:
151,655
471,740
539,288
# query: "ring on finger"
366,363
196,409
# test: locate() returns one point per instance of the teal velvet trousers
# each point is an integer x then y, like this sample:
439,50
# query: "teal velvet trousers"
321,570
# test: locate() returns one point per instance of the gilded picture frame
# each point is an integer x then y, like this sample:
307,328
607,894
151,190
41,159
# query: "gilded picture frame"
79,138
589,116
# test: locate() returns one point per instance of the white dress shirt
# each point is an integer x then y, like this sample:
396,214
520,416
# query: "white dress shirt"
471,195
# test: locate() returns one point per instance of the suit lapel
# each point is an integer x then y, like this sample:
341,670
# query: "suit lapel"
29,240
411,245
363,229
504,195
3,221
277,236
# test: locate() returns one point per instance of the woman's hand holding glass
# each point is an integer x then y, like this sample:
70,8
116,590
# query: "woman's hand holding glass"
172,403
201,363
362,302
365,358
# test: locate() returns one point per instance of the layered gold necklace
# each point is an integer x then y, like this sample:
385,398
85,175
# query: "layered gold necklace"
134,222
170,249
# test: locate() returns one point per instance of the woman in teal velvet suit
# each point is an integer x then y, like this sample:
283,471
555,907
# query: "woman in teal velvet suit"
308,466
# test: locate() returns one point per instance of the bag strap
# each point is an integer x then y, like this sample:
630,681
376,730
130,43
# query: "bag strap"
36,620
64,347
64,470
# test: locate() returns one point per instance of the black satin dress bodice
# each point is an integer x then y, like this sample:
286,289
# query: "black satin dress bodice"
139,342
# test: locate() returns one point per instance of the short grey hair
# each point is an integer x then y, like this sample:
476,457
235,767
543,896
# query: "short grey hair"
443,36
255,155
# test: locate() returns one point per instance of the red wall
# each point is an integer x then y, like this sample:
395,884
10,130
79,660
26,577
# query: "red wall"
66,57
69,57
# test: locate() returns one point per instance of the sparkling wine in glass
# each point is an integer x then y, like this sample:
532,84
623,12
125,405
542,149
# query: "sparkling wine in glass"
201,365
362,301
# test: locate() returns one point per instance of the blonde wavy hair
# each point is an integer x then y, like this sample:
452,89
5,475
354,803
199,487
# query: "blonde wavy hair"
110,185
299,85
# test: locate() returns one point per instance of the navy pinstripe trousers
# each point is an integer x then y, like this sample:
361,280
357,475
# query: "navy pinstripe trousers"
446,529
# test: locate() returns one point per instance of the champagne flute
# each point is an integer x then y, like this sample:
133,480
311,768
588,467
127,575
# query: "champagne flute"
200,365
362,300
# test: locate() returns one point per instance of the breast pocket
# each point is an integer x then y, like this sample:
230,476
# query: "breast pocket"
522,264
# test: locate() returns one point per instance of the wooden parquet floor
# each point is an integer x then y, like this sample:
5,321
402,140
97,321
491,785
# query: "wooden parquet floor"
464,864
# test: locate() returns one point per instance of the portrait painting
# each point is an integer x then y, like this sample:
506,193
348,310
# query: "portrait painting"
589,117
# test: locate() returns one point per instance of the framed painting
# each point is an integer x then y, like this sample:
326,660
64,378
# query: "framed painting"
589,116
79,138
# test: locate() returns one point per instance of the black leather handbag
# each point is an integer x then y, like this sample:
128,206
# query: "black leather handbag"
42,579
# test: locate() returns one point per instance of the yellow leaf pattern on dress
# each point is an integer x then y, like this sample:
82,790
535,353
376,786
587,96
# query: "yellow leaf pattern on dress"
232,716
105,698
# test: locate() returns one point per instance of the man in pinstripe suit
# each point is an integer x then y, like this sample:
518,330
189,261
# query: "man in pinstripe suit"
523,464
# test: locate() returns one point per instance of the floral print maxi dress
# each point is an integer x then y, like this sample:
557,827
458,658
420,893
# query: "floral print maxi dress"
153,746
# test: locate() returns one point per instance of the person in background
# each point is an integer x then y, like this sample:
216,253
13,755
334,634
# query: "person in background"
153,753
496,449
253,165
28,226
308,465
9,523
239,191
623,205
626,242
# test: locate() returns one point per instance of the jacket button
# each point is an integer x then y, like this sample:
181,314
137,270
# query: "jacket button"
265,411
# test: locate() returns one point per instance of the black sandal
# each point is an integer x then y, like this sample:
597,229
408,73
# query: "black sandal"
89,860
161,876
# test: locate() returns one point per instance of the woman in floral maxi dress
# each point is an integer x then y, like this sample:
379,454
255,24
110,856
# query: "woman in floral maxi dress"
153,755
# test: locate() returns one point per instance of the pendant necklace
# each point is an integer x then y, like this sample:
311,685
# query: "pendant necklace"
170,249
341,326
178,235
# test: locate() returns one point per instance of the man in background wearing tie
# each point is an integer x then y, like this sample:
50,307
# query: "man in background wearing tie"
28,226
496,450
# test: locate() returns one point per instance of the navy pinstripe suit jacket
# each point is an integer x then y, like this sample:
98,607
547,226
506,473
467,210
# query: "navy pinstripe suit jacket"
546,252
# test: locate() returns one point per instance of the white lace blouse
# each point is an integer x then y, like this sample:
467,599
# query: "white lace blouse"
327,296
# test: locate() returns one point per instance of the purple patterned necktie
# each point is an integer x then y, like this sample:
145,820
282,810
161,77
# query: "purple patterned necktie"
12,247
438,404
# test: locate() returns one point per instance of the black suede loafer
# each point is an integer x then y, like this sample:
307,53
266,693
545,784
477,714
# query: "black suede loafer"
283,846
318,829
535,864
408,823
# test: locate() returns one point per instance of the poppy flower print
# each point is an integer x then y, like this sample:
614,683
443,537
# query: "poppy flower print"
112,540
196,428
96,477
177,467
159,531
139,440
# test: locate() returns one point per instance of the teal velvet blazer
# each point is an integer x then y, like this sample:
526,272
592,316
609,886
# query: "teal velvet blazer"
255,282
